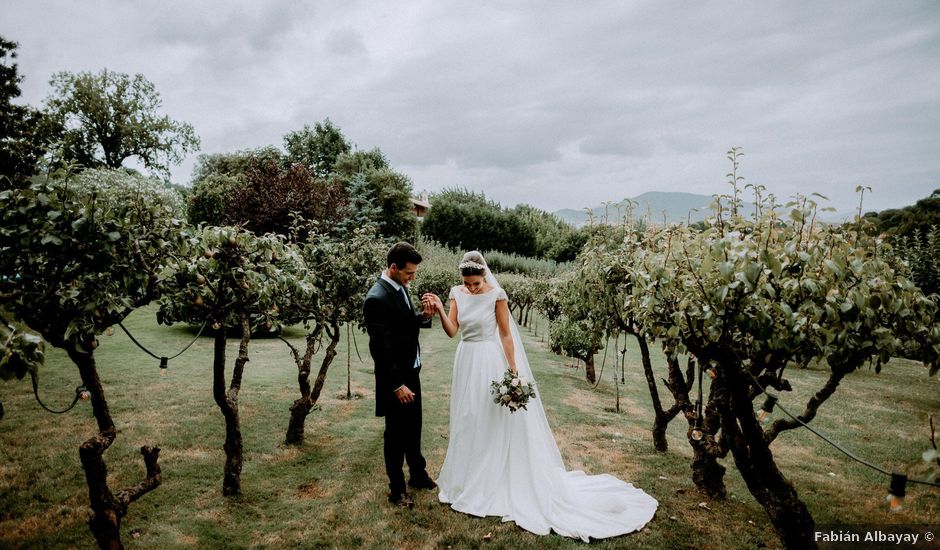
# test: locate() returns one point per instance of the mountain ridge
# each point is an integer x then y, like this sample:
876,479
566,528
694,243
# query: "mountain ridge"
676,206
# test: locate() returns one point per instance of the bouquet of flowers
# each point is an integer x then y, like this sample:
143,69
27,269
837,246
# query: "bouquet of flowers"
512,391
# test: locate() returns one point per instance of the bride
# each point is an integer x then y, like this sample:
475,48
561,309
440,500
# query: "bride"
507,464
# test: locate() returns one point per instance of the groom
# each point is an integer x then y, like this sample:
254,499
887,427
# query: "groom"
393,327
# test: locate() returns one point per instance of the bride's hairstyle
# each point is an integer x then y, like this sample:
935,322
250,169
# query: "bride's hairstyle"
472,264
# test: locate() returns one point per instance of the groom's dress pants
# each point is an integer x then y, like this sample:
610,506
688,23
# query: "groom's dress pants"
403,441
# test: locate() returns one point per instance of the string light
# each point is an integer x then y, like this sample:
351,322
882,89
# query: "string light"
899,482
711,372
81,394
896,492
164,360
697,424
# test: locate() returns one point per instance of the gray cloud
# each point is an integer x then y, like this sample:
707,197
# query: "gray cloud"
345,41
560,106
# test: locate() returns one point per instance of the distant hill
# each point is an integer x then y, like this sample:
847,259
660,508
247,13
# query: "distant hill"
677,206
921,215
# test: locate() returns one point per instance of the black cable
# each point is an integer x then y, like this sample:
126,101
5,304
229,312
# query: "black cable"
78,394
833,443
163,360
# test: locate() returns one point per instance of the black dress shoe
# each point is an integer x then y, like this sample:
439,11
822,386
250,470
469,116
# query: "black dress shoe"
402,500
422,483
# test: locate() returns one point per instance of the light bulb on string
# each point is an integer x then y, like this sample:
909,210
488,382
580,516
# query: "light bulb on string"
163,365
711,372
697,424
83,393
697,432
768,407
896,492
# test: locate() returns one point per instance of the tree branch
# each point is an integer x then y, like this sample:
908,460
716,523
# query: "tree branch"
242,358
154,477
809,412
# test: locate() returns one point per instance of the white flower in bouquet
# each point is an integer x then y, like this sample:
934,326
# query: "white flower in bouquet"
512,391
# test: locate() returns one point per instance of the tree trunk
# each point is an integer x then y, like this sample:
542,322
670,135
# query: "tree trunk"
589,372
707,473
309,396
348,366
515,308
304,404
333,332
659,433
753,458
228,404
660,417
107,508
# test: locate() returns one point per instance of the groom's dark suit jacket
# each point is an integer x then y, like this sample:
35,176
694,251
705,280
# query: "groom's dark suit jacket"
393,342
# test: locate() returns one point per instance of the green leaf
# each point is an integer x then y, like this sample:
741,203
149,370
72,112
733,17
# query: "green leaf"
707,263
114,235
752,273
726,269
722,293
46,239
810,285
773,263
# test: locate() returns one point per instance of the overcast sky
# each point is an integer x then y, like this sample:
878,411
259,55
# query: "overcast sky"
559,105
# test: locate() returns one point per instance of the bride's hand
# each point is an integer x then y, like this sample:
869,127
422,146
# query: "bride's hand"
434,301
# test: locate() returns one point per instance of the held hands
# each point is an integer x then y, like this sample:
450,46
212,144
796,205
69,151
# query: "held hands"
404,395
427,309
432,303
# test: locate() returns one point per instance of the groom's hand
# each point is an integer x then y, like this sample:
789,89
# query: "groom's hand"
404,395
428,308
434,301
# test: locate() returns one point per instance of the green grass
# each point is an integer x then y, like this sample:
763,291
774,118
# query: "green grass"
330,492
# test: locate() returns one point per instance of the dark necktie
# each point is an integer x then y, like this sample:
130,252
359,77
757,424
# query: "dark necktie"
404,294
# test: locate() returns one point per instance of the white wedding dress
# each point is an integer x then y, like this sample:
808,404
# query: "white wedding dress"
507,464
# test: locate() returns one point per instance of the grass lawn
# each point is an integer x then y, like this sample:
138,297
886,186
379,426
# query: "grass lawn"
331,491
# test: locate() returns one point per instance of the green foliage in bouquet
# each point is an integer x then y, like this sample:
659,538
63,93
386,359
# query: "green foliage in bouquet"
513,391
